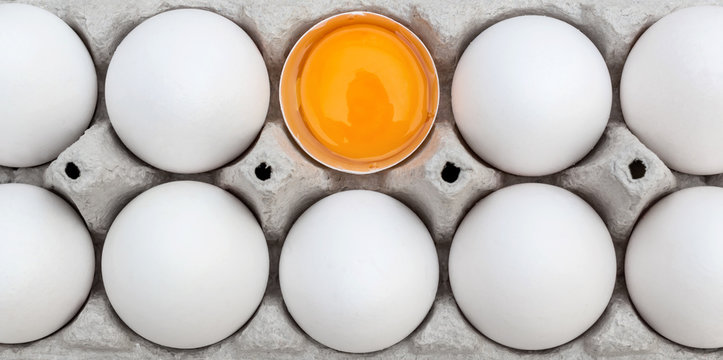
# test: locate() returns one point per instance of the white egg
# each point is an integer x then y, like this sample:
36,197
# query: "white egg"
185,264
358,271
532,266
48,86
671,91
673,267
187,91
46,263
531,95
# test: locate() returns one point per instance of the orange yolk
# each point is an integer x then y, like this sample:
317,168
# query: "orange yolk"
363,92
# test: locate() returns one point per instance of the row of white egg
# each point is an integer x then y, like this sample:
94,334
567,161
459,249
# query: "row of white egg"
531,95
532,266
183,98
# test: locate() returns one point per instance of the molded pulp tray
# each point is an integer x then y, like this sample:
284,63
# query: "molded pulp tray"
620,178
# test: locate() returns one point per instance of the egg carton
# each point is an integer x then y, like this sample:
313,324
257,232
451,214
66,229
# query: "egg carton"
440,182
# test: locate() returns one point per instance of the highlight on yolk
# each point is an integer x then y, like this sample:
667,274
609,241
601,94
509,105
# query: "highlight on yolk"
359,92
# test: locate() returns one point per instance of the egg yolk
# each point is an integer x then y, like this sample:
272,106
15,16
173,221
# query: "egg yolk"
363,92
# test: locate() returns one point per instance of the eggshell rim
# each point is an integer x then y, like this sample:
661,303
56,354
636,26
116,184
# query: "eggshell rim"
415,147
